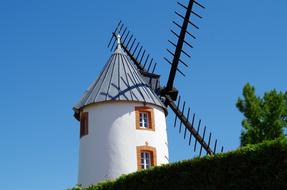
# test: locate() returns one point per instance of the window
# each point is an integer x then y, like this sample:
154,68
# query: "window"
146,157
84,125
144,118
145,160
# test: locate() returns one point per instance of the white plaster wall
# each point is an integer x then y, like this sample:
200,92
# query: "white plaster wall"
109,150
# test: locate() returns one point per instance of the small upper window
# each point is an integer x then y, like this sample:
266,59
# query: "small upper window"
144,118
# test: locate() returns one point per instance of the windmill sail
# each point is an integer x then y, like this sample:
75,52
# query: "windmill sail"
190,127
169,93
179,46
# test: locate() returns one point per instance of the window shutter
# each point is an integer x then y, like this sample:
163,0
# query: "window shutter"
84,125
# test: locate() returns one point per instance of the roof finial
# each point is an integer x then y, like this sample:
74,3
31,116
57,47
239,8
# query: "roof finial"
119,47
119,39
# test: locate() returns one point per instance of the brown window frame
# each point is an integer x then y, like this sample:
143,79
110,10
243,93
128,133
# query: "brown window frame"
84,124
150,113
152,152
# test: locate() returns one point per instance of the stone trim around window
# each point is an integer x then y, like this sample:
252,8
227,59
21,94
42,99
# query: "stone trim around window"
149,149
150,112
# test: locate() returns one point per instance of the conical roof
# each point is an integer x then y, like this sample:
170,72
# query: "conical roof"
119,81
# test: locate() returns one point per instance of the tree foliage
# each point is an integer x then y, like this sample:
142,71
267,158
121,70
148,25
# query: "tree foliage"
265,118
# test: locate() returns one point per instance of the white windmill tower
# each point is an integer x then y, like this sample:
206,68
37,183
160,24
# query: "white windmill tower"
122,123
122,114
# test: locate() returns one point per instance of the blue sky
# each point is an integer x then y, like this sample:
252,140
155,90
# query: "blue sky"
50,51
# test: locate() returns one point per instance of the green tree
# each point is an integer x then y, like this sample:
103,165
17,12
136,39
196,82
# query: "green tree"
265,118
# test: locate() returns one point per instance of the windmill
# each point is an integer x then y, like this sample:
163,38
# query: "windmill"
168,93
123,113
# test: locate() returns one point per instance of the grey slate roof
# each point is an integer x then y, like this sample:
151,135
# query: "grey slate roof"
119,81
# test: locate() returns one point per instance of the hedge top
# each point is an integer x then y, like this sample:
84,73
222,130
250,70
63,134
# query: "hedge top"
261,166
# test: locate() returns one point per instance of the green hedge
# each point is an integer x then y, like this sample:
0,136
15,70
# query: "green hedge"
262,166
